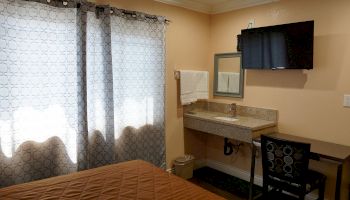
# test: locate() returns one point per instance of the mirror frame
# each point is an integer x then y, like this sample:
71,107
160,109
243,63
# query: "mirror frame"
216,71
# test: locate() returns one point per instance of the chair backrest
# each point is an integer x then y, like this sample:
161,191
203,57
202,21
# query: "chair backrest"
285,160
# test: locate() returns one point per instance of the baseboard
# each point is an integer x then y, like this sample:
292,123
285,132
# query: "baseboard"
233,171
242,174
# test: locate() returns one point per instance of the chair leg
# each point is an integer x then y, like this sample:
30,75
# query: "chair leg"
321,191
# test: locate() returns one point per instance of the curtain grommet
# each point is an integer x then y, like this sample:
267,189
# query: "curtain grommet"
65,3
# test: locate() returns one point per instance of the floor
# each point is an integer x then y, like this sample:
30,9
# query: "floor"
213,189
222,184
229,187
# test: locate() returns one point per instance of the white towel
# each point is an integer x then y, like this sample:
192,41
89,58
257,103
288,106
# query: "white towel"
194,86
202,85
222,82
187,87
233,82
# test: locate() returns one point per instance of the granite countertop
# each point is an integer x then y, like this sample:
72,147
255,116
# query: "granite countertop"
244,122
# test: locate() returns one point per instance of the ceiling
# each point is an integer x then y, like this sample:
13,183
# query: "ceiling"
215,6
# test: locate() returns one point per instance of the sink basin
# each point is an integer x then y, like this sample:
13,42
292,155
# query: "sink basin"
230,119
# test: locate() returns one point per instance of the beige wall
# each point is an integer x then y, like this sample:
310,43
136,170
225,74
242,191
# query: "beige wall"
309,102
187,47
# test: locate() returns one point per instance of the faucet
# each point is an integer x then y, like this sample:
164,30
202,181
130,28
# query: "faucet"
233,110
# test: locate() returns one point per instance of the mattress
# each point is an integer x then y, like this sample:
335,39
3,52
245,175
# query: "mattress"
124,181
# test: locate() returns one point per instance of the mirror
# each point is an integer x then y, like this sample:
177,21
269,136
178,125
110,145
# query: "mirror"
228,75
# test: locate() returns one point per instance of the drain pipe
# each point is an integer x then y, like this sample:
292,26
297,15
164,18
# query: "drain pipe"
229,147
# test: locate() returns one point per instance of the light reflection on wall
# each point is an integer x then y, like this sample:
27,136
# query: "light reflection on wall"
30,124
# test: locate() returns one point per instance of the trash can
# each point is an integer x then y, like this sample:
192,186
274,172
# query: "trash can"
184,166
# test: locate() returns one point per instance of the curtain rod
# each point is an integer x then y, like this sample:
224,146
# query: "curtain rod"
129,12
126,12
92,6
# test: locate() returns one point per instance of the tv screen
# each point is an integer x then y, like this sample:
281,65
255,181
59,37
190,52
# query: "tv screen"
287,46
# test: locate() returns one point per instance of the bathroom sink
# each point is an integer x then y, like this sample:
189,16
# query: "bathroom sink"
230,119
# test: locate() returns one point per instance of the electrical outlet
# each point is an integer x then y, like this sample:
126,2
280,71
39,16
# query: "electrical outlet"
347,100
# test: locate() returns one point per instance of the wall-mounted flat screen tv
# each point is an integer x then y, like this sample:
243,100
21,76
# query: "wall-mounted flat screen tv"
286,46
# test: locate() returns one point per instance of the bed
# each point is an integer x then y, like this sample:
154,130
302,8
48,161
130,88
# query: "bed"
128,180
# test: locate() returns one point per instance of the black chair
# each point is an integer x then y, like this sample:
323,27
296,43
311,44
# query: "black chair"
286,170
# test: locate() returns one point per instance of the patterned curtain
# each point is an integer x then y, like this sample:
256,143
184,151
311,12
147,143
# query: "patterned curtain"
38,91
79,88
100,88
138,76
